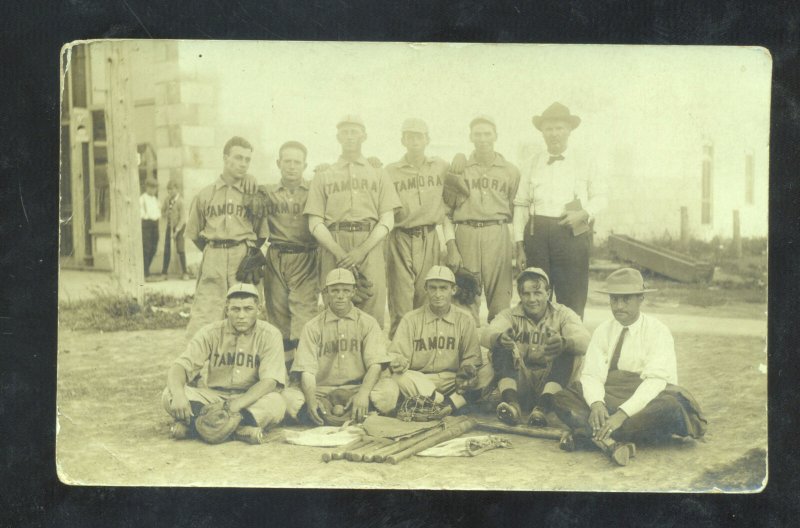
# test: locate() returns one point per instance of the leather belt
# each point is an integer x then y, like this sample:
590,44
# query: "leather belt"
291,248
217,244
350,226
418,230
482,223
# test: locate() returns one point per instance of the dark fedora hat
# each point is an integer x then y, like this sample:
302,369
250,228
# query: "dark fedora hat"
556,112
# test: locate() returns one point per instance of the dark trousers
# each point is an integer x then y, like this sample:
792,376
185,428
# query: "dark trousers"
149,243
179,249
666,414
564,257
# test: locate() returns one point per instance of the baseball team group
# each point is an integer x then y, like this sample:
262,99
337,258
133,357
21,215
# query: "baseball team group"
323,257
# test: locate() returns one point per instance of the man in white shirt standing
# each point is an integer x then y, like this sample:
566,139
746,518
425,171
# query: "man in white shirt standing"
558,198
151,213
628,387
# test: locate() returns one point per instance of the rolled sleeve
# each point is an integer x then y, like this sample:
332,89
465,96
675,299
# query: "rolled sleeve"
197,353
388,200
315,203
306,355
374,345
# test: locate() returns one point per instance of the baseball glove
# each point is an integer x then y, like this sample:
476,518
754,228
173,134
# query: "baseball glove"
216,422
251,269
364,289
455,190
466,378
336,405
422,409
469,286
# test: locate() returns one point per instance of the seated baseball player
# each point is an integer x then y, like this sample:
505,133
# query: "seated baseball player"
628,390
536,349
341,348
436,352
245,370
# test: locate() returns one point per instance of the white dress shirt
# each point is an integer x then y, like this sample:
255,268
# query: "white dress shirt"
149,207
647,350
545,189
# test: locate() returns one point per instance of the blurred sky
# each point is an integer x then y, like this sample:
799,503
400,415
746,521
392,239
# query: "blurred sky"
661,100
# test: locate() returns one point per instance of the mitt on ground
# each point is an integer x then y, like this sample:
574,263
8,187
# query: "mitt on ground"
422,409
216,422
251,269
469,286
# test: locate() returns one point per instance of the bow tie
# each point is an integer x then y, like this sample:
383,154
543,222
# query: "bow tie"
554,159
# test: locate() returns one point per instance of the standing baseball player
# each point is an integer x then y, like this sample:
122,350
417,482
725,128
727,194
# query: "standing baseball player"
350,210
482,241
342,348
290,278
225,229
413,245
175,212
536,350
558,199
244,357
436,350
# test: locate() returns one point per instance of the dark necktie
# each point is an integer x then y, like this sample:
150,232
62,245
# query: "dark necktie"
554,159
618,349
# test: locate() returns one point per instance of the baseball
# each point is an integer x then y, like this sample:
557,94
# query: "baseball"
338,410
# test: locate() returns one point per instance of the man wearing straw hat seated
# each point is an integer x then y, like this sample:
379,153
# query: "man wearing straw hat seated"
628,387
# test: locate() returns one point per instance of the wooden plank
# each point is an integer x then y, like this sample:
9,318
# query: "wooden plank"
123,175
663,261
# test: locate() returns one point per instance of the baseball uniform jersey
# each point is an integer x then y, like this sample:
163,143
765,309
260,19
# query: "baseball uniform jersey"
530,337
350,197
482,233
338,351
291,282
435,348
219,216
235,362
413,245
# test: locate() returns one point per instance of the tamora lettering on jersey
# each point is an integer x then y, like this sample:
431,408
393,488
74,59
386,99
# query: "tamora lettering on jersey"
354,184
239,359
418,182
529,338
227,209
336,346
484,182
435,343
293,208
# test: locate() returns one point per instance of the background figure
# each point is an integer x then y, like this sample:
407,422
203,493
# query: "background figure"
173,211
151,213
559,196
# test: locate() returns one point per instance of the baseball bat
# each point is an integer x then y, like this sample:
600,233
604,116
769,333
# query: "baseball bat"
355,455
381,453
450,432
338,455
552,433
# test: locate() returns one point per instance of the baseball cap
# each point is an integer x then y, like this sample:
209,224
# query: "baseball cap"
539,272
351,119
482,118
413,124
242,287
440,273
339,276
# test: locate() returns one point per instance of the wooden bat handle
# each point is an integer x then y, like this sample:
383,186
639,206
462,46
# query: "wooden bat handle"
450,432
553,433
339,454
380,454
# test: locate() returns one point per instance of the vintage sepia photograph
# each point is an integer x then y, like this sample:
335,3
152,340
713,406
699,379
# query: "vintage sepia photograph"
413,266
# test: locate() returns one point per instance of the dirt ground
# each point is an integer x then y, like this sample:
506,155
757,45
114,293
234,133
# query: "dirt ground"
113,430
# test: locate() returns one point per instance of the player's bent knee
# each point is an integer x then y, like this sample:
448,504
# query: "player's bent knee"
384,396
293,400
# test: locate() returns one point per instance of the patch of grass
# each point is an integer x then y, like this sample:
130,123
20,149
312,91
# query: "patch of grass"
109,311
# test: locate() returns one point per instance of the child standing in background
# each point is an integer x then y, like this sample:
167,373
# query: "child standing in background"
172,209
